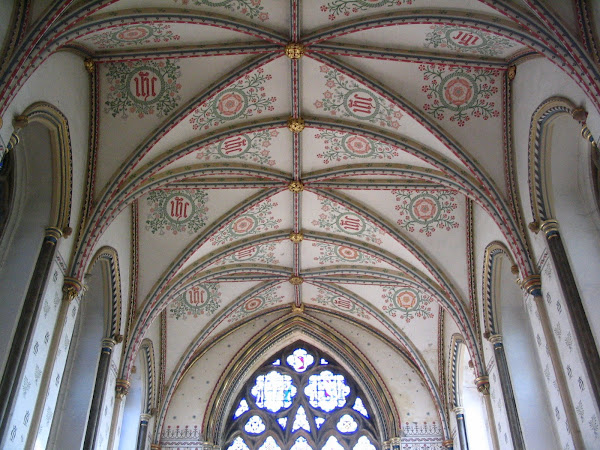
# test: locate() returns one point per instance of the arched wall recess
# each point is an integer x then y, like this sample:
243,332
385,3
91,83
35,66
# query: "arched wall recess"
279,335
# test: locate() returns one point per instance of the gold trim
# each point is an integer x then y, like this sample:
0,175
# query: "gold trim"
531,283
20,121
296,238
71,289
294,50
448,443
298,309
483,384
296,186
550,228
511,73
122,387
495,338
53,232
295,124
296,281
579,114
89,65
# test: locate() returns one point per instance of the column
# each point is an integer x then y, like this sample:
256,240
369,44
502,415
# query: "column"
121,391
581,326
460,425
507,392
483,387
395,443
448,443
143,431
99,388
17,356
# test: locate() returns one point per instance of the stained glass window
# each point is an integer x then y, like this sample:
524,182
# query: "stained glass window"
301,399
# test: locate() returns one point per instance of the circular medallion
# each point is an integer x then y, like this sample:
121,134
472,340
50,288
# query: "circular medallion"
361,104
351,223
234,147
424,208
179,208
253,304
243,225
459,37
230,104
196,296
347,253
458,91
358,146
146,85
406,299
133,34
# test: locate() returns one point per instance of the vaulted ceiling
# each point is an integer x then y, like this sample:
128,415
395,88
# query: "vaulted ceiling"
359,214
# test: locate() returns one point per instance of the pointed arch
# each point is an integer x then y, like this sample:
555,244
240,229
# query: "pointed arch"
149,380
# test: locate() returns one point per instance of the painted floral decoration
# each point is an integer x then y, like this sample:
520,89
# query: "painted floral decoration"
340,303
467,40
342,146
426,211
199,300
336,218
332,254
462,93
350,99
176,211
240,100
250,8
407,303
338,8
259,302
142,88
252,147
131,35
258,219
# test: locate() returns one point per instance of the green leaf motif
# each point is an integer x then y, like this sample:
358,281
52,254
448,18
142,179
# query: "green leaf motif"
267,299
342,146
407,303
426,211
250,8
258,219
251,147
199,300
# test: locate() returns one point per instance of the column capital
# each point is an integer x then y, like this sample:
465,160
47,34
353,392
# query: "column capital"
458,410
107,345
20,121
483,384
532,284
394,443
52,234
154,447
495,339
145,417
550,228
71,289
122,387
448,443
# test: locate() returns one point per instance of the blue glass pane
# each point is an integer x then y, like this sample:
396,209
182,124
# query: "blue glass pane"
364,444
273,391
300,421
301,444
332,444
282,422
255,425
324,361
238,444
269,444
277,362
242,408
319,421
347,424
327,391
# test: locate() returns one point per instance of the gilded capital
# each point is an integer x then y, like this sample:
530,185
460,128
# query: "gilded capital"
107,345
458,410
511,72
71,289
448,443
294,50
483,384
52,234
579,114
89,65
550,228
154,447
495,339
296,238
20,121
532,285
145,417
296,186
295,124
122,387
298,309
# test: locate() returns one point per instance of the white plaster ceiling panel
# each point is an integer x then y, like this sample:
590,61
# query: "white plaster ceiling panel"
335,148
138,96
465,103
438,39
435,219
195,312
273,14
321,254
277,253
157,34
325,215
172,219
259,94
336,301
409,393
268,148
189,402
319,13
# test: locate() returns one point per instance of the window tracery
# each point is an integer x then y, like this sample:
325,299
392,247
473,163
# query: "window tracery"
301,400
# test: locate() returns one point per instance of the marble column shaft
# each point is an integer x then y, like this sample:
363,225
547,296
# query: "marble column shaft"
508,394
143,431
91,431
462,430
581,326
21,342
